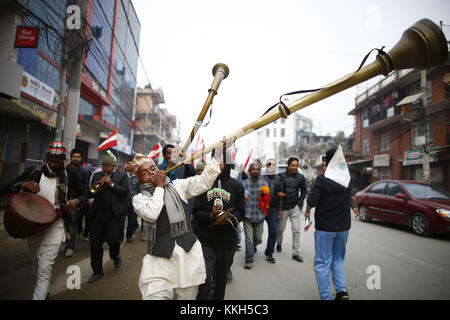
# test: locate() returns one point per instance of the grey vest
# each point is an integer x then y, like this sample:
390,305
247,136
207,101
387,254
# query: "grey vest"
164,243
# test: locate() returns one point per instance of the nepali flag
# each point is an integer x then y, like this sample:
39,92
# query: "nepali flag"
248,159
109,142
155,152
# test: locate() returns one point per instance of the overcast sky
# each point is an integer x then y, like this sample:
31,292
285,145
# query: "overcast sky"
271,47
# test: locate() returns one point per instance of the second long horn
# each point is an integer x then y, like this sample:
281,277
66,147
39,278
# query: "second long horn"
220,71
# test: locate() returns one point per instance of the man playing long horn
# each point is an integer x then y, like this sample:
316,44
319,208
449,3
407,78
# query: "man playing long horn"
174,266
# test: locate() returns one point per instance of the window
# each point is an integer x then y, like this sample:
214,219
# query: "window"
86,108
274,132
378,188
384,141
366,146
392,189
282,133
268,133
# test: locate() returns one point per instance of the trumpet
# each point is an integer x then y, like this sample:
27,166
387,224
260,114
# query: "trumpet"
97,185
423,45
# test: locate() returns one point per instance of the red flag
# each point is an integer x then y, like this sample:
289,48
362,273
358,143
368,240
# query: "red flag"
248,160
109,142
199,146
233,154
155,152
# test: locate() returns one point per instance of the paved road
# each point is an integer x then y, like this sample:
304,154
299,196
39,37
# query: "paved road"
410,267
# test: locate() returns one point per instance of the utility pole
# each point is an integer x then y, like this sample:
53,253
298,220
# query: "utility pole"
62,88
75,68
426,147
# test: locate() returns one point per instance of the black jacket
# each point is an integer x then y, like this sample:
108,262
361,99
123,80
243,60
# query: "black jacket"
78,188
332,202
119,199
291,185
224,236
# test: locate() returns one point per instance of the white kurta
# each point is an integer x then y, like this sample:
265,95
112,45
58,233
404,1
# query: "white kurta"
183,269
55,234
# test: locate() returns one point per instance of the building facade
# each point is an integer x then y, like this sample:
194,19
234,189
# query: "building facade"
396,119
29,95
153,124
284,132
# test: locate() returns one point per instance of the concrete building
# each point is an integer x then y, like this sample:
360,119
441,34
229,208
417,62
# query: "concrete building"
154,124
283,132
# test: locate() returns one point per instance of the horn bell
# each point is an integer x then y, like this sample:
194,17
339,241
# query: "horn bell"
423,45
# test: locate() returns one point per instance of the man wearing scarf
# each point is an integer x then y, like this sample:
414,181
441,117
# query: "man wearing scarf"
48,180
174,266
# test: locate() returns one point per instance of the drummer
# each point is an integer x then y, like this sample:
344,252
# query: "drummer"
48,180
174,266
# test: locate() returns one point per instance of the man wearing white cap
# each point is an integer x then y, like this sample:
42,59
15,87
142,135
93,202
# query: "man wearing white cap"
174,266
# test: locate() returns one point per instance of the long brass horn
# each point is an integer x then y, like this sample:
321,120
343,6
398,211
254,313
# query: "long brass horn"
220,71
421,46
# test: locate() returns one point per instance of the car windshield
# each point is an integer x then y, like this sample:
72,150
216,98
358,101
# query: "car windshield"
421,191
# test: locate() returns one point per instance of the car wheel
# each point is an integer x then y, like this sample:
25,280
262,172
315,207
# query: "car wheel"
420,224
363,214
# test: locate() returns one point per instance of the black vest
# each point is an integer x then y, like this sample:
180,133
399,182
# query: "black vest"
164,243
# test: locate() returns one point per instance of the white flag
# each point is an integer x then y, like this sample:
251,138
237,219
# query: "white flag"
337,169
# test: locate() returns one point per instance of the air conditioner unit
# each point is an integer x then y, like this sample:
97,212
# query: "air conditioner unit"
419,140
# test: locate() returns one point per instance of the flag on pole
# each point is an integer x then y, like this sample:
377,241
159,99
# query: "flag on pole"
155,152
199,146
110,141
233,153
248,159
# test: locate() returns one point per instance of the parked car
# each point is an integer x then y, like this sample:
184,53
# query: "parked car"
422,207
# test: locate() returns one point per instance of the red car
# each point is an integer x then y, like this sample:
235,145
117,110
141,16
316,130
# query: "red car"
422,207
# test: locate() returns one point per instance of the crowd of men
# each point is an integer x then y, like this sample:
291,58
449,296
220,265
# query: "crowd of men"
190,218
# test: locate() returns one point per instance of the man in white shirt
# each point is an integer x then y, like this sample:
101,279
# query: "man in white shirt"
50,182
174,266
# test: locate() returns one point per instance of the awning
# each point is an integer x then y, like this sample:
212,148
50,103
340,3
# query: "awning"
410,99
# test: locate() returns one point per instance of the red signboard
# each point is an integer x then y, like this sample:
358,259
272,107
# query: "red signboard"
27,37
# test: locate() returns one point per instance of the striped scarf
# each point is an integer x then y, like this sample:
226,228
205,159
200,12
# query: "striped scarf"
61,182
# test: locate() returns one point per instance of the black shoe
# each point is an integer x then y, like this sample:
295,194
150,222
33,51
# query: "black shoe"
297,258
95,277
270,259
278,247
343,295
117,262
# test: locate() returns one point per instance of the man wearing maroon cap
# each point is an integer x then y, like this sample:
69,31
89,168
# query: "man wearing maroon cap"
48,180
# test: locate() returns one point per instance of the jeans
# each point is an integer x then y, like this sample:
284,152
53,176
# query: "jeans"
294,216
330,255
253,236
272,223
